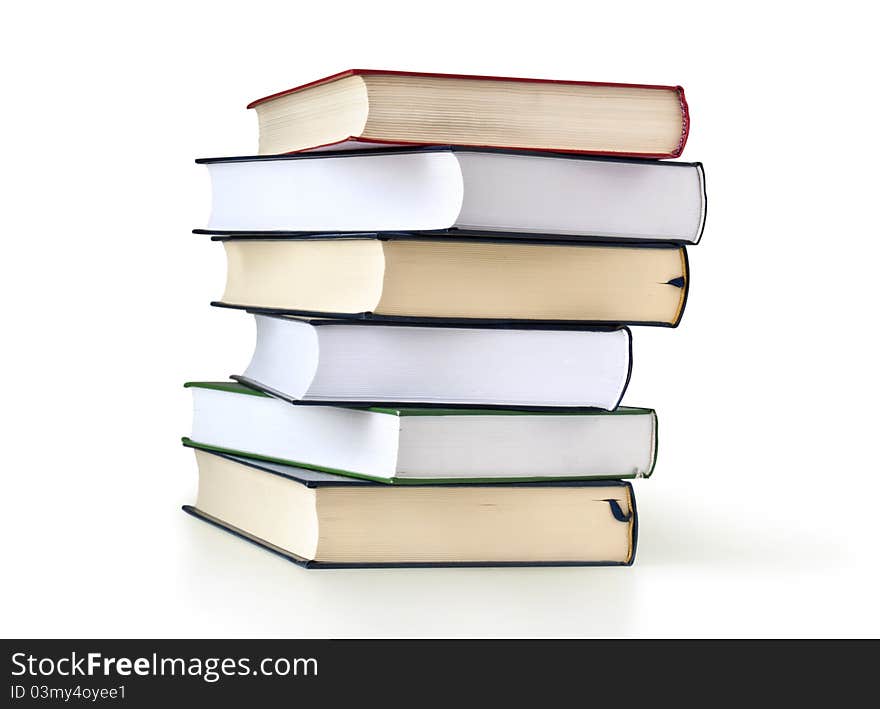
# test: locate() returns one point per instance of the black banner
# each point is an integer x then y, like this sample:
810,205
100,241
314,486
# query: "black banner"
250,672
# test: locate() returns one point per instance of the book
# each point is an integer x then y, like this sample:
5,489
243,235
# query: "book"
417,108
453,190
320,520
457,281
327,361
400,445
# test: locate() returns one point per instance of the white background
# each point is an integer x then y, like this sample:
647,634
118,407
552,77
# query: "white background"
760,518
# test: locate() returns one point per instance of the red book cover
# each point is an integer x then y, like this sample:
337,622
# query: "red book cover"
367,72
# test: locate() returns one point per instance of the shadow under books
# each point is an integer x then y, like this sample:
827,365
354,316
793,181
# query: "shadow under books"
676,535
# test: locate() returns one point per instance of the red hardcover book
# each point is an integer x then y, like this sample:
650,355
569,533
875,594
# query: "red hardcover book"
362,107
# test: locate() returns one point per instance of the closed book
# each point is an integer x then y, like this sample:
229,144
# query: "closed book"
358,363
456,281
417,108
318,520
427,444
453,190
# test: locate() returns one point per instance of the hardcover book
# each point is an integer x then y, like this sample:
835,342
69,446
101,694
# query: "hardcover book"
418,108
400,445
455,281
447,189
327,361
320,520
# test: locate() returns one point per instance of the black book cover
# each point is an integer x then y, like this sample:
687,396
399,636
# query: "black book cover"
316,479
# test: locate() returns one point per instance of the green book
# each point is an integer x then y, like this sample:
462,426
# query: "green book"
425,445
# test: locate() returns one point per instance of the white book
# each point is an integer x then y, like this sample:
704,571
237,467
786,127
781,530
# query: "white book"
462,190
425,444
324,361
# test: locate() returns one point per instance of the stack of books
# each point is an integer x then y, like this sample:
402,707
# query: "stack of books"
442,270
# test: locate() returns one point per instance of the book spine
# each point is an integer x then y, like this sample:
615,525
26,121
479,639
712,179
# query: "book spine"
685,123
